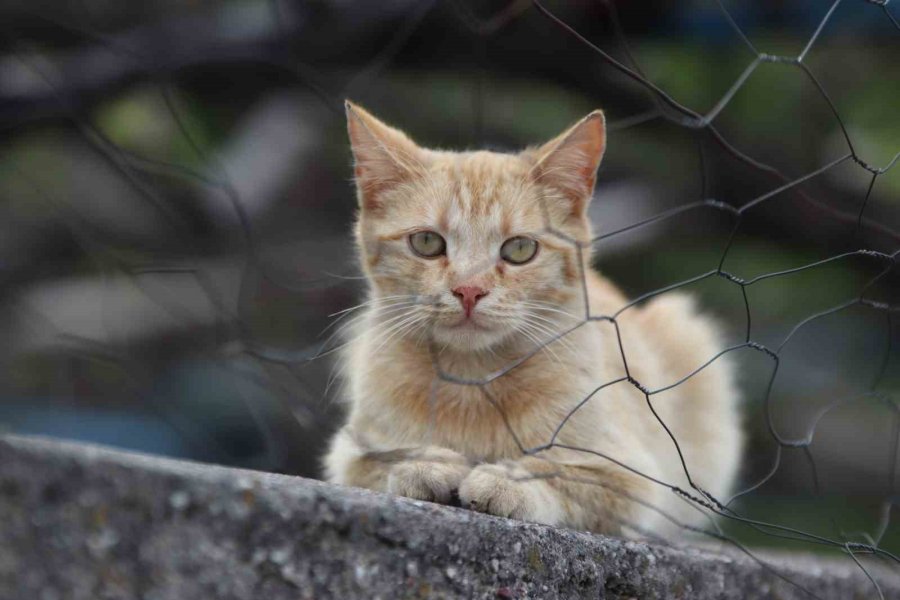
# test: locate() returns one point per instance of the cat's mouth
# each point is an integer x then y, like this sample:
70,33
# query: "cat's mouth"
475,332
469,323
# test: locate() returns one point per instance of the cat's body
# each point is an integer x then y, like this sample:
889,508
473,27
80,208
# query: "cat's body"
508,380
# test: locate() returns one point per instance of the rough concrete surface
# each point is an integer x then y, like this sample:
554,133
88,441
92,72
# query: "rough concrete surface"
80,522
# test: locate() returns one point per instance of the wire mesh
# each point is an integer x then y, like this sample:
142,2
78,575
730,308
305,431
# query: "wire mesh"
281,372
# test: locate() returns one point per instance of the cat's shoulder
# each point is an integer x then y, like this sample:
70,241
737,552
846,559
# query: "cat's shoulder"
675,311
677,316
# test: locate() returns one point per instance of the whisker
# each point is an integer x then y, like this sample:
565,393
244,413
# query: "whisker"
528,331
394,300
553,337
359,318
549,308
399,327
357,337
371,301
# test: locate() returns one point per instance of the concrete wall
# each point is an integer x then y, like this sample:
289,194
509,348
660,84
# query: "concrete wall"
80,522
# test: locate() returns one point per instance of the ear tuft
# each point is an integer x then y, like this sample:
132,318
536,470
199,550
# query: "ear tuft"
384,157
569,162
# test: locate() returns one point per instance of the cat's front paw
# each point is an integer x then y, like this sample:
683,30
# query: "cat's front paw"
435,477
510,491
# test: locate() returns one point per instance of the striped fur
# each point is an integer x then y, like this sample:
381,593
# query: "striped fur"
411,433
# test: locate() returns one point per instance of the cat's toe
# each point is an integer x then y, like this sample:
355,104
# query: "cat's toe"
497,490
423,480
489,489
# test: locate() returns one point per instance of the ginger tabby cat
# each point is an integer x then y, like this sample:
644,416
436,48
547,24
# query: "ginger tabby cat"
467,279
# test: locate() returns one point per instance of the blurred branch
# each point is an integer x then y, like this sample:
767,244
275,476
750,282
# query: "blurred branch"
229,34
276,138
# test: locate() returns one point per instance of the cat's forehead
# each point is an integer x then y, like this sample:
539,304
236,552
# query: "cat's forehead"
484,191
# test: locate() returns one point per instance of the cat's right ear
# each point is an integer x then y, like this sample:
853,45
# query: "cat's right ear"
384,157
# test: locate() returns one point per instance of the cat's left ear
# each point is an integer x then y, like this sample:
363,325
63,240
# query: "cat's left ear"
569,162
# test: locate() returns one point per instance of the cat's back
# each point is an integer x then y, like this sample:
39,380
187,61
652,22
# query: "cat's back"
696,394
683,336
675,351
663,339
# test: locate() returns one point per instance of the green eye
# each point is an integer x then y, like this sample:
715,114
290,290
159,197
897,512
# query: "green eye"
518,250
427,244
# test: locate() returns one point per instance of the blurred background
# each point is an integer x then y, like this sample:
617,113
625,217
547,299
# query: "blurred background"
176,203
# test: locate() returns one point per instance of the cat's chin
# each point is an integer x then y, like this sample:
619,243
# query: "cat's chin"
469,336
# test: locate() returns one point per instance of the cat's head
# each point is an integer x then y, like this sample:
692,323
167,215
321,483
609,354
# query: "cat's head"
474,248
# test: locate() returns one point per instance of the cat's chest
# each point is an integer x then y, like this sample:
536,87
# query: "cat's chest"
464,387
487,418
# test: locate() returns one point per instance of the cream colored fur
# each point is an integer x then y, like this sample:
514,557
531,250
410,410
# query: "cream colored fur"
504,388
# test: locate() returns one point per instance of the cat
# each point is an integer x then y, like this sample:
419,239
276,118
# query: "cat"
479,270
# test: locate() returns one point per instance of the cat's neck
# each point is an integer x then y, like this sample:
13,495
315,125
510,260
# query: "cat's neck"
468,366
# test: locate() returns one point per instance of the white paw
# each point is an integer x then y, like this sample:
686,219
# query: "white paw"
432,480
507,492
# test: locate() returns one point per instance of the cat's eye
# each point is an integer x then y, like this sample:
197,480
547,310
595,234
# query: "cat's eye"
427,244
518,250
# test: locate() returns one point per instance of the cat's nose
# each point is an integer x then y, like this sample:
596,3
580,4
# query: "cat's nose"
469,296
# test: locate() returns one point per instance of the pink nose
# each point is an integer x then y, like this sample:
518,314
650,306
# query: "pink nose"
469,297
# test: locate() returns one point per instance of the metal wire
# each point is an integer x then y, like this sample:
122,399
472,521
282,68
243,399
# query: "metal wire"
233,337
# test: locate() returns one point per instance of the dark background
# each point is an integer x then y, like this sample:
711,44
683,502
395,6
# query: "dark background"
176,202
